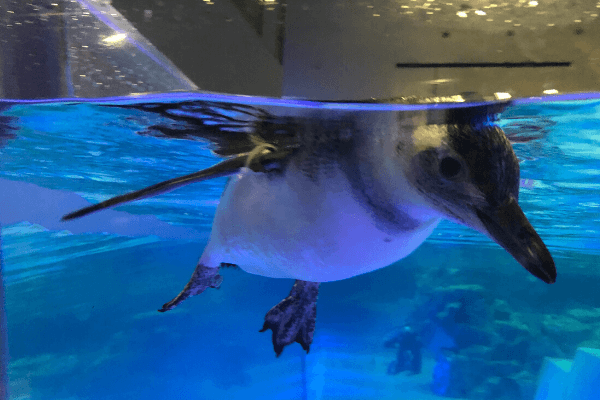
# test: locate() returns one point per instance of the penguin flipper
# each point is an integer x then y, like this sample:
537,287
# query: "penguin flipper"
259,160
224,168
293,319
231,129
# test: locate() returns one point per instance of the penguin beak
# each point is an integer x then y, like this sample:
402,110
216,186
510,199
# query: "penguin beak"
508,226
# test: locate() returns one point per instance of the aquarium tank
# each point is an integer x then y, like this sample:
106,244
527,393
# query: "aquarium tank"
182,181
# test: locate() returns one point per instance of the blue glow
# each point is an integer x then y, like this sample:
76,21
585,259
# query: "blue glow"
173,97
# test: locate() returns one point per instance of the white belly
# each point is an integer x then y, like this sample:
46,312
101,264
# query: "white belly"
296,228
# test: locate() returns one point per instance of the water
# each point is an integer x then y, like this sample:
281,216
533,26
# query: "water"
82,296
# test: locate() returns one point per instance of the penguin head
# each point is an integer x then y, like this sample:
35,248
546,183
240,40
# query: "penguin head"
468,172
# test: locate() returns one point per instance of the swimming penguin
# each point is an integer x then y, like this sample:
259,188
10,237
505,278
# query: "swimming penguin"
325,195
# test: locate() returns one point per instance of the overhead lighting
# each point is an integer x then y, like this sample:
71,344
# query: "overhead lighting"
502,95
550,91
115,38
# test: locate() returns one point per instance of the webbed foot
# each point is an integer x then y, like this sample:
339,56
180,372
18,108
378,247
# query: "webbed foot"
293,319
202,278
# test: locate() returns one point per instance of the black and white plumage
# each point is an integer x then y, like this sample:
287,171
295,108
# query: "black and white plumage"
324,195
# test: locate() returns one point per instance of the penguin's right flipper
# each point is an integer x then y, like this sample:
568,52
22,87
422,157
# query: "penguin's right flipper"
224,168
262,159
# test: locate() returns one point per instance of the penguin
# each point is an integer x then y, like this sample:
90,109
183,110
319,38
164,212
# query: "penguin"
322,195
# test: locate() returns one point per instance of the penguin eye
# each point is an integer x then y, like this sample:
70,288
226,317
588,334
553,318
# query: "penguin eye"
449,167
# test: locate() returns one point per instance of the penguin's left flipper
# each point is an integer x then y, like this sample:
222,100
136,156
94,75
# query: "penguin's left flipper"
262,159
293,319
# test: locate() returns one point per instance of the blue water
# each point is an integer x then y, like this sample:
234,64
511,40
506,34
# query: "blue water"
82,296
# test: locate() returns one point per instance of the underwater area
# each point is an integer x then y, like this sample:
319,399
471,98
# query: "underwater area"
82,296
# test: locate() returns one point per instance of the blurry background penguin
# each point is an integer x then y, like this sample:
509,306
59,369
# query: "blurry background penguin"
408,355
